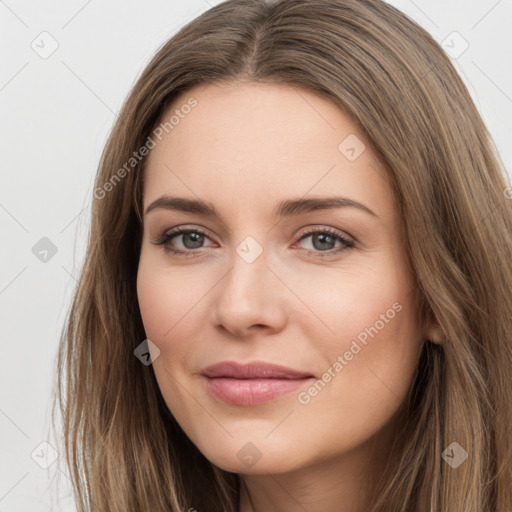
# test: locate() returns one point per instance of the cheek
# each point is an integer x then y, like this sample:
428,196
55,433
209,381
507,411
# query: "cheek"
370,349
169,309
174,310
370,364
168,300
350,305
153,303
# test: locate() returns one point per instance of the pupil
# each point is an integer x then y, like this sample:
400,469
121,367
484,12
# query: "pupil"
195,243
322,237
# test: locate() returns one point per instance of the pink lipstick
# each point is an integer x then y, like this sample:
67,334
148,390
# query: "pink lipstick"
254,383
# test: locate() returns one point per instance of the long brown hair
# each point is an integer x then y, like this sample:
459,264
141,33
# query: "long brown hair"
123,447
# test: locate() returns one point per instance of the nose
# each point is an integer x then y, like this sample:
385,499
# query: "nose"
250,298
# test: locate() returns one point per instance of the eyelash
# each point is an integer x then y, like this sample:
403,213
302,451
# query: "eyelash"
164,240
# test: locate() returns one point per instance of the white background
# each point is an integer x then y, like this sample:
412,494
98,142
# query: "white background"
55,116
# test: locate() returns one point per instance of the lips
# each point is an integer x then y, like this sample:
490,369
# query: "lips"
253,383
253,370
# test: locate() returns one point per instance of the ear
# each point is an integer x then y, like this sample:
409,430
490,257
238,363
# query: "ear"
434,333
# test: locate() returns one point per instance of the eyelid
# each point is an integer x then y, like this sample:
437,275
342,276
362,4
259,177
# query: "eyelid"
335,231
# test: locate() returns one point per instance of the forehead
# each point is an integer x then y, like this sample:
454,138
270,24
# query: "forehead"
251,145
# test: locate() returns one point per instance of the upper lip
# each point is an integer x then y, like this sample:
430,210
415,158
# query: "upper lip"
253,370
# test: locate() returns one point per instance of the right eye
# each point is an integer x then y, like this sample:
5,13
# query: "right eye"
191,240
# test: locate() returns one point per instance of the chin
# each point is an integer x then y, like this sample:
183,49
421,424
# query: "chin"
250,459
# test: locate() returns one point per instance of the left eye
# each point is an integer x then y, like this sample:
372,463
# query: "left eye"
192,240
323,240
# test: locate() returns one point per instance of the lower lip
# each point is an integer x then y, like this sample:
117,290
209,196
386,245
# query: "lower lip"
252,391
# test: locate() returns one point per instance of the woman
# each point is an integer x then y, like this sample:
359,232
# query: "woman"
296,292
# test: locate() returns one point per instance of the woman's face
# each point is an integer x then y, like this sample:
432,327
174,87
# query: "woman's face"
276,276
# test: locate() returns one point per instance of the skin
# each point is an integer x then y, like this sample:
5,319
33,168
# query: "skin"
287,307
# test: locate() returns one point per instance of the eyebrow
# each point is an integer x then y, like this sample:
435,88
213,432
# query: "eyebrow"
286,208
